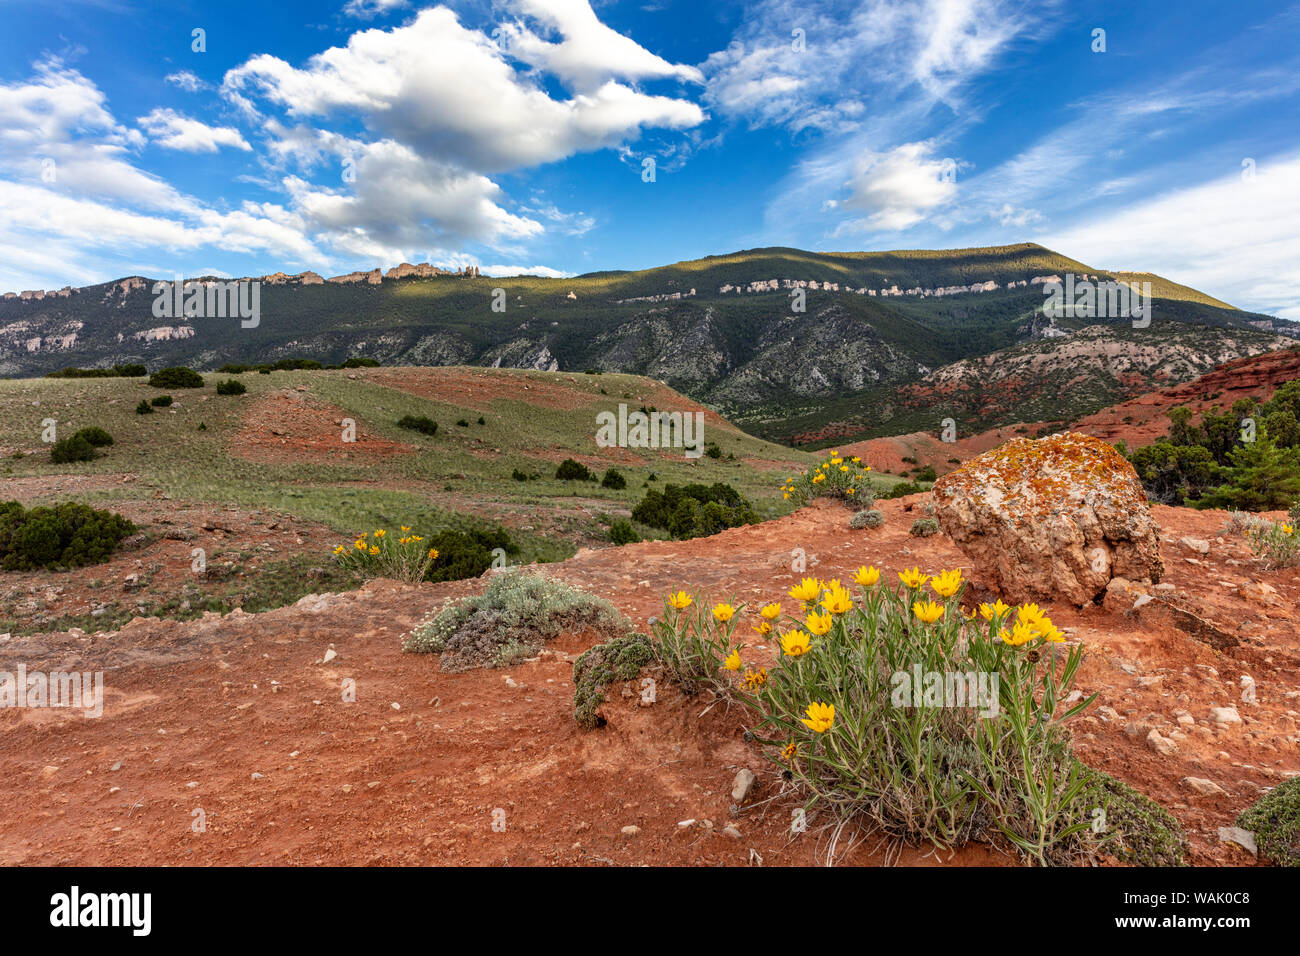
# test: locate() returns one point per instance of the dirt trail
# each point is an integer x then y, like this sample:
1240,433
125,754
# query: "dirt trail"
237,717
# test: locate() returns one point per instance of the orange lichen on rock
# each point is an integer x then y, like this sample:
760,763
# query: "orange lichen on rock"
1053,518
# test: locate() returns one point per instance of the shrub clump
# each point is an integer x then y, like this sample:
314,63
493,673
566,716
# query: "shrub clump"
419,423
618,660
1275,543
1275,820
467,554
862,713
868,518
622,532
694,511
572,470
924,527
144,408
231,386
1140,831
96,436
613,479
73,448
510,621
160,401
177,377
846,480
68,535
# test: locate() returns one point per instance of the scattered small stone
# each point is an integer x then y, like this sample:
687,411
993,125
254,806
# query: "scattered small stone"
330,654
631,830
1207,788
1199,545
1161,745
732,831
1243,838
1225,715
257,776
743,786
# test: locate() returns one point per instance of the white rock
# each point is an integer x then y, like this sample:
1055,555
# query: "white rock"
1161,745
1243,838
1204,787
743,786
1225,715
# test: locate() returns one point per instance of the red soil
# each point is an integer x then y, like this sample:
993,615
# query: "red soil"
194,710
288,426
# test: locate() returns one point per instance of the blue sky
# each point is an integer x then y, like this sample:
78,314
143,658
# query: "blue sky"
513,135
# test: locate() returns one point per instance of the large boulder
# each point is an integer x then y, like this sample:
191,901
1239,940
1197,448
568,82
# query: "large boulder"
1051,519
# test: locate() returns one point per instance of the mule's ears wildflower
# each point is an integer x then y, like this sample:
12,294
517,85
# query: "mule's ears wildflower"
806,591
1051,633
820,717
723,612
755,679
340,549
795,644
1288,529
374,550
819,623
818,478
433,553
867,576
837,600
789,751
360,543
927,611
771,611
679,601
380,533
947,583
1030,614
913,578
732,662
990,611
1022,633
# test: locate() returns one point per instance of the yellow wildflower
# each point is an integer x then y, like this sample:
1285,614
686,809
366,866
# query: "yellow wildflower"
1021,633
806,590
732,662
679,601
867,576
947,583
723,612
380,533
820,717
789,751
374,550
795,643
913,578
929,612
1030,614
837,601
771,611
990,611
818,623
